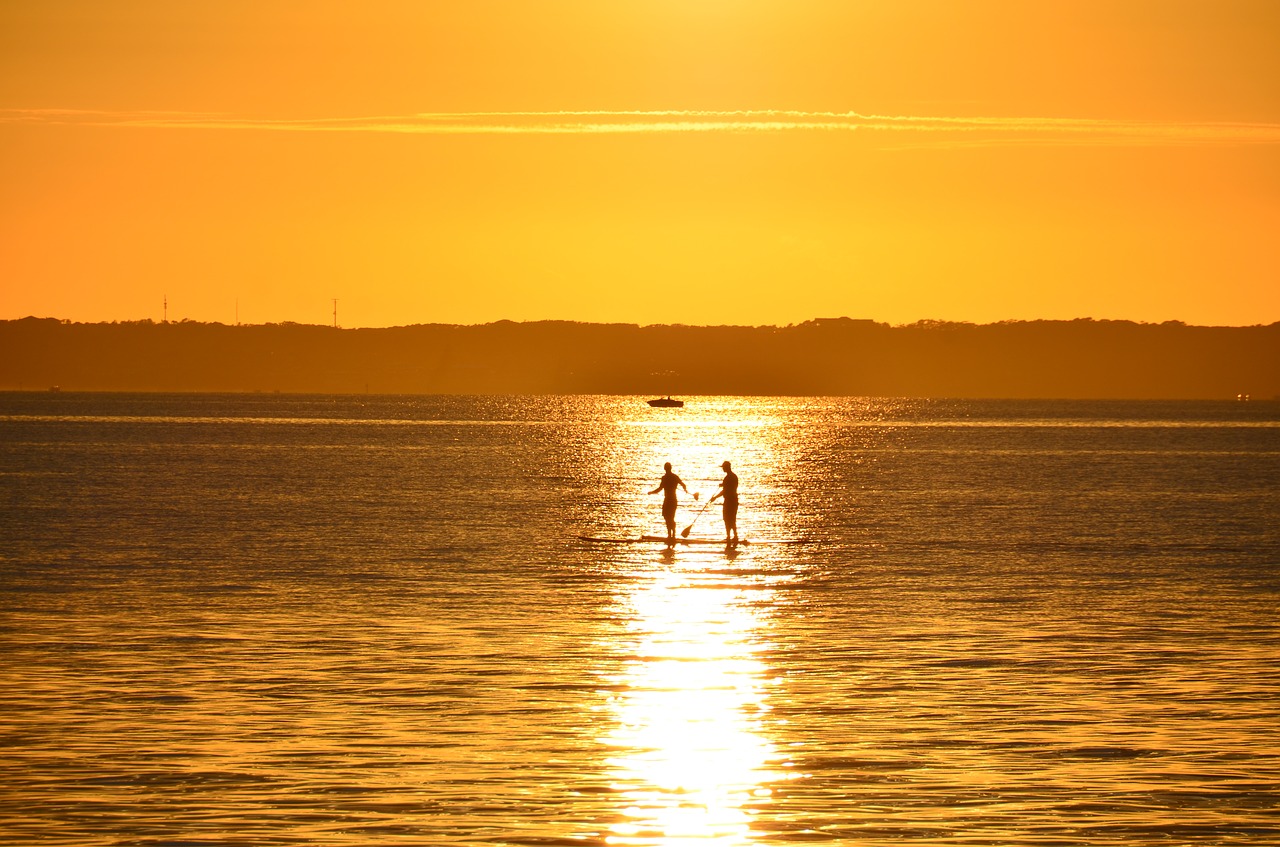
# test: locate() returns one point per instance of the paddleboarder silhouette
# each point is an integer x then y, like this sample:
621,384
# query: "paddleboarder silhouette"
667,485
729,492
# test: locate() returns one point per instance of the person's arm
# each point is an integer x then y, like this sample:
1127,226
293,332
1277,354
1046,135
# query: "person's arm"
656,490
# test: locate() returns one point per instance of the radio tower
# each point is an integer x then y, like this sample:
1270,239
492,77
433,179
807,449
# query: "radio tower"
335,312
166,308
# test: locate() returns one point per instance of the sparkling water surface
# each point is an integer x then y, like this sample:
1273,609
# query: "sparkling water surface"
274,619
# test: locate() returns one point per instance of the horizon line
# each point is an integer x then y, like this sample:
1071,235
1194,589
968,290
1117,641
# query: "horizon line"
920,323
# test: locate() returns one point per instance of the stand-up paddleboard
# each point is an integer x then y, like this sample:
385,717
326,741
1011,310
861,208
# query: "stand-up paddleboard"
662,539
658,539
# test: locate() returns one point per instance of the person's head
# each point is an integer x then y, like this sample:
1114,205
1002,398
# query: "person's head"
667,466
726,466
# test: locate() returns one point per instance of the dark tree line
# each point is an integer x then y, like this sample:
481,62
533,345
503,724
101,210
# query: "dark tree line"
1041,359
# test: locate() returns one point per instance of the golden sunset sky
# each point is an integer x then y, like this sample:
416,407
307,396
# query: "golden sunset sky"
643,161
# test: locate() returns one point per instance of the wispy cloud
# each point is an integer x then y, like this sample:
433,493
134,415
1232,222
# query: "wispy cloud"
976,131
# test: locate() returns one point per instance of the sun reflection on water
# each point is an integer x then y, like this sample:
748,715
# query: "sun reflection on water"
690,752
750,433
690,756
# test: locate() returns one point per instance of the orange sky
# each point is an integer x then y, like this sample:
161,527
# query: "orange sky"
648,161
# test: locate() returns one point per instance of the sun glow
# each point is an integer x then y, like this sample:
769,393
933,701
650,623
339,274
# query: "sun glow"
652,162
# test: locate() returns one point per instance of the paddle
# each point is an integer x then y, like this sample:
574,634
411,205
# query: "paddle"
689,528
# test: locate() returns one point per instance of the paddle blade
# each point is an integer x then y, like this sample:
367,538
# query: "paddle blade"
685,534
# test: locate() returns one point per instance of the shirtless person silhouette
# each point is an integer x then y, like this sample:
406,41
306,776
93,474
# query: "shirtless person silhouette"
667,485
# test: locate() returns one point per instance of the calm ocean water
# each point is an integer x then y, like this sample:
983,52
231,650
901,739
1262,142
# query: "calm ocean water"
261,619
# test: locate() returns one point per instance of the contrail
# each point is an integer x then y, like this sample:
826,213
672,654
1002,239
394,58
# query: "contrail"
963,130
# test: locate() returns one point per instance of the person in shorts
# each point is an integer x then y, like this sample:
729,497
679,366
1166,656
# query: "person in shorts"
729,494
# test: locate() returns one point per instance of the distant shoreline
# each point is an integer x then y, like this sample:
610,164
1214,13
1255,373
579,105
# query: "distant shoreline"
504,322
1079,359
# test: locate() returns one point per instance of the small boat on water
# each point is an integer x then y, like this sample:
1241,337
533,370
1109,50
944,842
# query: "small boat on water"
666,403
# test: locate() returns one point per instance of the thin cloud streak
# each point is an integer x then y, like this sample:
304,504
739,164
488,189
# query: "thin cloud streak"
958,131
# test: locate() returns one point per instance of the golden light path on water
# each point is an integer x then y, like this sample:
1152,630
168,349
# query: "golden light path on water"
689,752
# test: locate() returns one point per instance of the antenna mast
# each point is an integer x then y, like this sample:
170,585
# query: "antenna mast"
335,312
166,308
